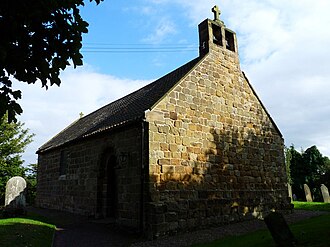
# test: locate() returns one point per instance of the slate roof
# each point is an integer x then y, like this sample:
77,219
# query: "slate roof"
121,111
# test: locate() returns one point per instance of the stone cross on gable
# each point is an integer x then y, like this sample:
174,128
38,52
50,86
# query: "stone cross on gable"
217,13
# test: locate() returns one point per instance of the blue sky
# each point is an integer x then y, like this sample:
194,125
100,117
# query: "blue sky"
283,47
140,28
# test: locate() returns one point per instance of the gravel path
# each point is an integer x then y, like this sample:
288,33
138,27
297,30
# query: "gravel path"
208,235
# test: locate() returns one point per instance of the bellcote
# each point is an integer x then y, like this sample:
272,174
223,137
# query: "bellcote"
213,33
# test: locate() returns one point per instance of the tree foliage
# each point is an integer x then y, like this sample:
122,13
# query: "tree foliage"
38,39
308,167
31,182
313,162
326,177
13,141
288,158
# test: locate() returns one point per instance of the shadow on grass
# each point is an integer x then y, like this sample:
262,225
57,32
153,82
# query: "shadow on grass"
41,218
21,232
54,217
313,232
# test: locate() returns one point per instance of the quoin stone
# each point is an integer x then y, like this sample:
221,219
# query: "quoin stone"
308,193
325,193
15,193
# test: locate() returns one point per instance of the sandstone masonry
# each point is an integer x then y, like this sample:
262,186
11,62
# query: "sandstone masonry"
215,155
193,149
84,187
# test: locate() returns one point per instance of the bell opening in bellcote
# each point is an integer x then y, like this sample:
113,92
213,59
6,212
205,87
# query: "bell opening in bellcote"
217,36
230,40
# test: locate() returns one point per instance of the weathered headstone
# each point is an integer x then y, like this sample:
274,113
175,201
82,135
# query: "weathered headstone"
290,192
325,193
280,230
15,193
308,193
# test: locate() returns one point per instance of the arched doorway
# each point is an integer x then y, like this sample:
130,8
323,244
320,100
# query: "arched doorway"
107,190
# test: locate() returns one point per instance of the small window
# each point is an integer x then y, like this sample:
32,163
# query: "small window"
64,162
217,36
230,43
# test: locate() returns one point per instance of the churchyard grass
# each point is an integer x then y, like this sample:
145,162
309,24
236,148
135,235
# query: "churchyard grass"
312,206
311,232
26,231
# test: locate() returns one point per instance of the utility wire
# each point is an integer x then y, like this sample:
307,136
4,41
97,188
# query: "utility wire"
134,51
136,48
132,44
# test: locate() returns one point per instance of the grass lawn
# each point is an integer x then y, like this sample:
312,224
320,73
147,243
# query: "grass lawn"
27,231
311,232
313,206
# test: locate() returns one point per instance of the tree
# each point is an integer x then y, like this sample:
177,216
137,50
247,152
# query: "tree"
314,167
38,39
308,167
313,162
325,177
13,140
288,157
31,182
296,172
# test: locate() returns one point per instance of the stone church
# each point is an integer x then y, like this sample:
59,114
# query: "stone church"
192,149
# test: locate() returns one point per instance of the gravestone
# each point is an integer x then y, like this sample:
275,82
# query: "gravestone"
308,193
15,193
280,230
290,192
325,193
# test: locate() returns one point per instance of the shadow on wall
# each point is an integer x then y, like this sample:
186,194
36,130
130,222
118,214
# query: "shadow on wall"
241,174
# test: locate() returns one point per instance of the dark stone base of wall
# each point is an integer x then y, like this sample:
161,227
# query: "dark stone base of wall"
167,218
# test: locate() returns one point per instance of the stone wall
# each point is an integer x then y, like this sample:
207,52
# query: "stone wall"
77,190
215,154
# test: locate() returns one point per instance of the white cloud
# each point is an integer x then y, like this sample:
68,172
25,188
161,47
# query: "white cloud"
82,90
162,30
196,10
283,48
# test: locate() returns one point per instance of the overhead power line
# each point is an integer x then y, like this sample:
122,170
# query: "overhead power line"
136,48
